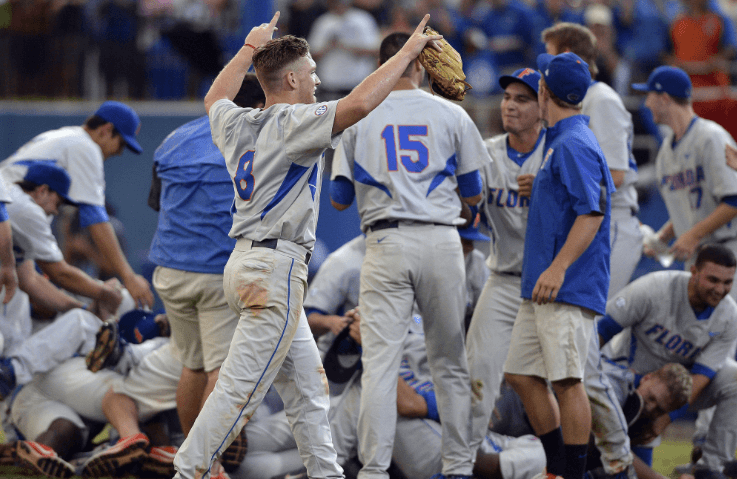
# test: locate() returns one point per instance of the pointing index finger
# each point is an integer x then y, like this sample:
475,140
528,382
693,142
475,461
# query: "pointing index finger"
272,24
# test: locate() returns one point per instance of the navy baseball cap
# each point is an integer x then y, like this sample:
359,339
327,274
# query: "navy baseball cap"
138,325
124,119
47,173
665,79
526,76
566,75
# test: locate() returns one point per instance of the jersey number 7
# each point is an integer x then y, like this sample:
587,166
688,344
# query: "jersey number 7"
243,180
406,143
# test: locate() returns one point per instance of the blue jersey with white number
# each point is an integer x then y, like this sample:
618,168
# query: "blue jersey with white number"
274,157
693,177
573,180
196,194
403,158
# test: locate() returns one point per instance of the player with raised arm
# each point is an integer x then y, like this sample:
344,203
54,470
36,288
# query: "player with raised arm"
275,158
517,153
402,164
81,151
699,190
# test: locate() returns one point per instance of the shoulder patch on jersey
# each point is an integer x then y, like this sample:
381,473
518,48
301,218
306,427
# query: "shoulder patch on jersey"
547,157
321,110
620,302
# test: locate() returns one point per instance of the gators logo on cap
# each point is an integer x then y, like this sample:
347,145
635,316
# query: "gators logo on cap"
525,72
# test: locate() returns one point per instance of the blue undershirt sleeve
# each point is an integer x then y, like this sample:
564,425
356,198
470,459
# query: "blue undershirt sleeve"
703,370
470,184
3,212
92,214
342,190
432,404
607,328
678,412
730,200
644,453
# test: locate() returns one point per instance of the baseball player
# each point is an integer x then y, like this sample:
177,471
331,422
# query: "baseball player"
565,269
612,125
685,317
274,157
517,153
403,176
334,291
81,151
699,190
474,261
191,247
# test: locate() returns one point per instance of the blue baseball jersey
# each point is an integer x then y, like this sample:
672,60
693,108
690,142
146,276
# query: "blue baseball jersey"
196,196
573,180
275,158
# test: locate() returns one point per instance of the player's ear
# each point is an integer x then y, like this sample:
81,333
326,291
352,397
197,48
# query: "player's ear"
291,78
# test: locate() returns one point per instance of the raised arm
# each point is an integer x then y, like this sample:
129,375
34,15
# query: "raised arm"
376,87
229,80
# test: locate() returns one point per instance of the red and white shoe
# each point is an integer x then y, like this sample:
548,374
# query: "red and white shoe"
115,460
43,459
160,461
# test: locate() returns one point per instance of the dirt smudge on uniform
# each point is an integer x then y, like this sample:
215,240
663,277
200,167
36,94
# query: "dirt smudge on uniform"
253,296
324,380
477,387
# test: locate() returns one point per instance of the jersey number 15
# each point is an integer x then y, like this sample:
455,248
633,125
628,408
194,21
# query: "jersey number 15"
406,143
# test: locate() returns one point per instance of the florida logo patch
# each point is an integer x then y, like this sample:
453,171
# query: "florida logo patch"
547,157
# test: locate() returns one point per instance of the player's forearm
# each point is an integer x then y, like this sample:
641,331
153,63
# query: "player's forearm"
72,279
409,402
6,244
324,323
40,290
579,238
721,215
104,238
666,232
371,91
699,384
617,177
229,80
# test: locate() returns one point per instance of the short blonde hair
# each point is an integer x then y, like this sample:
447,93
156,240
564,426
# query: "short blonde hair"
678,381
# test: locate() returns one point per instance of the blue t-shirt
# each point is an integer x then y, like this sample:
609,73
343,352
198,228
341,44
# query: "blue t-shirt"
573,180
196,196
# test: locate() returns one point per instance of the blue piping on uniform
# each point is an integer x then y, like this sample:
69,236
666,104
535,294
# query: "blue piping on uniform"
240,413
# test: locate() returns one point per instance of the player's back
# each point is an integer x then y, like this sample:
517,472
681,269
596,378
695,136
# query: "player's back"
404,156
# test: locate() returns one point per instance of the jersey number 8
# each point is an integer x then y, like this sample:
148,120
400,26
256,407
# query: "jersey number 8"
243,179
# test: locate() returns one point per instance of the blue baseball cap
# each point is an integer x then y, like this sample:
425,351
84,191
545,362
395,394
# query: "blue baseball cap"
665,79
124,119
526,76
47,173
472,233
138,325
566,75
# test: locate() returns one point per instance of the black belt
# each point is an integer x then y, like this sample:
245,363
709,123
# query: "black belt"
272,243
386,224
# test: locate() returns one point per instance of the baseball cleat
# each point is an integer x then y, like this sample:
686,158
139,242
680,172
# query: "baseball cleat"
116,460
160,461
42,459
107,350
7,377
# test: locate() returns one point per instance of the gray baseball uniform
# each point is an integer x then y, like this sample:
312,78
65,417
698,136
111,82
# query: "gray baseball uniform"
664,329
612,125
404,172
487,341
275,159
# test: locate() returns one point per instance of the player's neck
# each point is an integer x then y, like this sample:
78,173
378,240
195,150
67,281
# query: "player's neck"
406,83
697,304
556,113
524,141
680,121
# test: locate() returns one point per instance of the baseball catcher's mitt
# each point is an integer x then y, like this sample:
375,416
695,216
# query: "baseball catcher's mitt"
445,69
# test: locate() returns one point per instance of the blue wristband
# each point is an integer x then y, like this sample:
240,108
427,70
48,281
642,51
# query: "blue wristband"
432,404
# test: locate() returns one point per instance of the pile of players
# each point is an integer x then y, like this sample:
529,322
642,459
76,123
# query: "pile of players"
522,393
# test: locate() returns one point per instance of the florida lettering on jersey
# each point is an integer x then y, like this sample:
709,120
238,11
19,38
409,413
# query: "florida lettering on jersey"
672,341
683,179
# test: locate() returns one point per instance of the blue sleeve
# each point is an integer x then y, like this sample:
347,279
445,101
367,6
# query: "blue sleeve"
582,178
729,36
703,370
470,184
644,453
607,328
432,404
3,212
309,311
730,200
342,190
678,412
91,215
